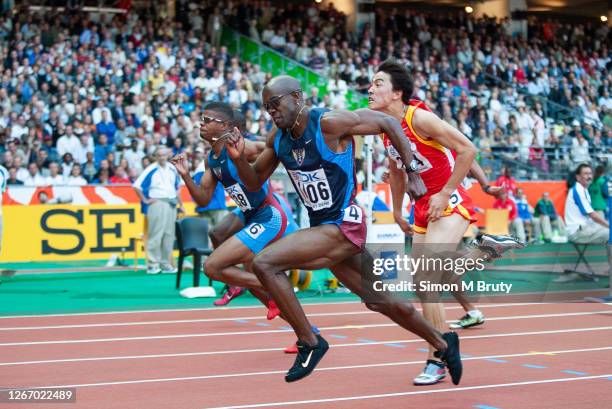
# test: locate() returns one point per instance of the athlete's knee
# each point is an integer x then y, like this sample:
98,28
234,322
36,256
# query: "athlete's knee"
263,264
212,269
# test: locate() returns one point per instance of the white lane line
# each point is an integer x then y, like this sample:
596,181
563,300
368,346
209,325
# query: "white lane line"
422,392
242,351
333,368
246,307
272,331
201,320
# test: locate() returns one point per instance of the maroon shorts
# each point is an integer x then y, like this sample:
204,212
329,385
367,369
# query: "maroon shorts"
354,226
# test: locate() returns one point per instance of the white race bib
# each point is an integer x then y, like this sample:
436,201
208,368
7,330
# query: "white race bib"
239,197
353,214
455,199
313,188
255,230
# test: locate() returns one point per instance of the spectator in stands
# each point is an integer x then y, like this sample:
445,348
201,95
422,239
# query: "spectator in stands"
515,223
525,214
550,222
34,177
580,149
107,127
584,225
75,178
68,143
12,177
507,181
54,178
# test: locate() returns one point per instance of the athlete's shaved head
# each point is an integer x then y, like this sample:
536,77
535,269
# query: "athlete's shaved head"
282,98
283,84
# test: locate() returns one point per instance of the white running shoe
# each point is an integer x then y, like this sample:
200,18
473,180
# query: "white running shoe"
433,373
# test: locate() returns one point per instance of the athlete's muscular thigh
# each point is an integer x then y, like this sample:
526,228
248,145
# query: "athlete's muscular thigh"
309,249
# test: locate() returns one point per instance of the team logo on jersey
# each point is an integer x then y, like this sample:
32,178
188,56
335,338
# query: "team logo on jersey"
217,172
299,155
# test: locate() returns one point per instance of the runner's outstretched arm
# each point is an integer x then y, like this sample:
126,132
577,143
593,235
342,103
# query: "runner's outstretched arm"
255,175
339,124
477,173
201,194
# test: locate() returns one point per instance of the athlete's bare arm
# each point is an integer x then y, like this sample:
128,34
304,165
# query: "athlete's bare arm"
477,173
204,192
341,124
253,149
255,175
429,126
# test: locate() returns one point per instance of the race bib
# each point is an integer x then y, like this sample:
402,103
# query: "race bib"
313,188
255,230
455,199
239,197
353,214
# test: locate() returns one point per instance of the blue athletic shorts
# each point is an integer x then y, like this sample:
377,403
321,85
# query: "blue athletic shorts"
266,225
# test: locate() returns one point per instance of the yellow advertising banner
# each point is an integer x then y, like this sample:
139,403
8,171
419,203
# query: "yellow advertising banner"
66,232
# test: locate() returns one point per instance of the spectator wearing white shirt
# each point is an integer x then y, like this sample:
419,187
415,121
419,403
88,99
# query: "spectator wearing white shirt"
54,178
22,172
34,177
86,145
19,129
583,224
157,188
75,178
96,115
580,149
68,143
134,156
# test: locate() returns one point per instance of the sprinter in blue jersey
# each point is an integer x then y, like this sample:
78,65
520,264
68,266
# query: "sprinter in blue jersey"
316,147
263,217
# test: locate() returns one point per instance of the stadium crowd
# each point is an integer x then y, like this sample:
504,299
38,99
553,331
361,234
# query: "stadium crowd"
84,101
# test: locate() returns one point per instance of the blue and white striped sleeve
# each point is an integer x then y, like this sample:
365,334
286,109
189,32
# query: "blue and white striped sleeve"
581,200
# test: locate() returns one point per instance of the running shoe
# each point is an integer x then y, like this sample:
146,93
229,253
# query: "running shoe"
293,349
451,356
230,293
496,246
307,359
273,310
433,373
469,320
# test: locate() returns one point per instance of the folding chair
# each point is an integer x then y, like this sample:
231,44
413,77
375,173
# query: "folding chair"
192,240
587,275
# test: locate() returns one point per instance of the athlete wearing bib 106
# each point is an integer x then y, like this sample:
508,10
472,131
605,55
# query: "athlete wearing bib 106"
435,165
264,216
324,180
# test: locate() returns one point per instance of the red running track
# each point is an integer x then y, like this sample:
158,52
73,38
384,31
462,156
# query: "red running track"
525,356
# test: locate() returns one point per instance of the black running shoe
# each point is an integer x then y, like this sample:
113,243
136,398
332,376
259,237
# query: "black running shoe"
496,246
307,359
451,356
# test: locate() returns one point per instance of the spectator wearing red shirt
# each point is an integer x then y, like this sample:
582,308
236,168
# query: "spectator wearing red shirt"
120,176
507,182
